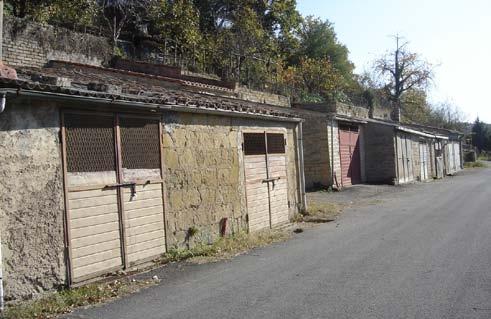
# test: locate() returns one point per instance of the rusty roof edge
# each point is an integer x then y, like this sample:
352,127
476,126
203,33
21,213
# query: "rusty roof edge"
109,99
350,119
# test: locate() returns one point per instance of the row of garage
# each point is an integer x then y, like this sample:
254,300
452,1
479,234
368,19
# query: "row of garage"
366,150
109,181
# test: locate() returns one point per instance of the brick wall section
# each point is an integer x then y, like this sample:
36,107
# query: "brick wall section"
33,45
380,158
204,178
316,143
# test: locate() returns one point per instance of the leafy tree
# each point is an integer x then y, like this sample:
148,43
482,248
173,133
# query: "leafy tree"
480,135
24,8
313,80
318,40
178,20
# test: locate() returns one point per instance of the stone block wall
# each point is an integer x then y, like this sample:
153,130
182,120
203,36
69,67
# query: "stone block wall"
31,200
351,110
317,164
380,158
204,175
262,97
33,45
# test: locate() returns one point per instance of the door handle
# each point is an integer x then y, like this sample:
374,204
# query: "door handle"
267,180
131,185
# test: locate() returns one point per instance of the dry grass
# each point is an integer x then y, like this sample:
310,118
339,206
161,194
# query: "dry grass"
227,247
477,164
67,300
319,213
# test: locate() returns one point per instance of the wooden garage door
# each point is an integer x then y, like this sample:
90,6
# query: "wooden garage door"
142,202
266,180
423,160
114,192
450,156
458,163
349,151
404,158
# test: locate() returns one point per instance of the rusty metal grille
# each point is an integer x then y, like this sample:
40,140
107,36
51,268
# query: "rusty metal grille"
276,143
89,143
140,143
254,144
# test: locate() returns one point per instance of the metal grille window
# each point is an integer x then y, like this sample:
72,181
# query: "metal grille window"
276,143
89,143
140,143
254,144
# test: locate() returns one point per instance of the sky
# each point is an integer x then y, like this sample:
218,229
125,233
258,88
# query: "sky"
453,35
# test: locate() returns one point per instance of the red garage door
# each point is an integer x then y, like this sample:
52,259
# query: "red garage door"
349,150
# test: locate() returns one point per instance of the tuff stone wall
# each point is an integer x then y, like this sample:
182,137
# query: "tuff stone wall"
380,159
204,178
31,199
351,110
262,97
33,45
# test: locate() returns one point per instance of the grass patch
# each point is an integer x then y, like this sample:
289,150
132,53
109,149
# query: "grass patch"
226,247
66,300
319,213
476,164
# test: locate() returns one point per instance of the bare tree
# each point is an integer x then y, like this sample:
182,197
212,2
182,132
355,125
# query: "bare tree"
118,13
403,70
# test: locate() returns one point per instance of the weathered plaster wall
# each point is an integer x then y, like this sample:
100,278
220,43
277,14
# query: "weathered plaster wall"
380,158
317,165
31,199
204,176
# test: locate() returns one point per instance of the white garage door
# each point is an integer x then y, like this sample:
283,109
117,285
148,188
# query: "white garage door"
266,180
114,192
424,161
405,170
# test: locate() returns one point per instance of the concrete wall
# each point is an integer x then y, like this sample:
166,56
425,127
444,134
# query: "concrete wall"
33,45
333,137
380,158
204,175
31,200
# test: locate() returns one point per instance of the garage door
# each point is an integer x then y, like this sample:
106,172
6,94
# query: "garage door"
349,151
423,160
404,158
450,157
114,192
266,180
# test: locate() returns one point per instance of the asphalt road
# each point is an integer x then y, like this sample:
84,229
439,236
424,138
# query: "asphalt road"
422,251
